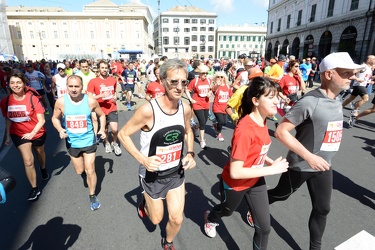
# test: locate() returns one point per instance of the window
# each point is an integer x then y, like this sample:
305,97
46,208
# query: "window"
211,29
41,23
176,20
331,6
224,38
194,29
19,35
53,23
165,50
107,34
254,38
31,34
66,34
279,24
248,38
299,18
221,46
227,46
202,48
186,50
288,21
33,46
244,45
194,20
194,38
313,11
354,5
232,46
165,29
92,34
256,46
165,20
236,38
57,46
176,29
64,23
187,30
202,38
186,40
29,23
210,48
176,40
202,29
211,21
242,38
43,34
55,34
166,40
238,45
211,38
271,28
186,20
203,21
194,49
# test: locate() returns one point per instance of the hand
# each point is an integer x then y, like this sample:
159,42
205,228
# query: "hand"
318,163
279,165
62,134
188,162
102,134
29,136
8,140
152,163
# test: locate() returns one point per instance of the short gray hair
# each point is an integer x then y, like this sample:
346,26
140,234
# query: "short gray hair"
171,64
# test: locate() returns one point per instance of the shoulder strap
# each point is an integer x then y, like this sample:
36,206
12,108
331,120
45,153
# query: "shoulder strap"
31,101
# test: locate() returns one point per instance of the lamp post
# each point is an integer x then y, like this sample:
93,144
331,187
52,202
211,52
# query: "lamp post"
159,36
41,44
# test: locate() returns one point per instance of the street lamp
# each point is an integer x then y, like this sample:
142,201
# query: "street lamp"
159,36
41,44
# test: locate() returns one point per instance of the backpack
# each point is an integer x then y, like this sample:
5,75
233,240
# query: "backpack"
33,93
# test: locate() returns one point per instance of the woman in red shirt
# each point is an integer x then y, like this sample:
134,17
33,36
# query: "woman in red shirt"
222,92
243,175
25,126
201,86
154,89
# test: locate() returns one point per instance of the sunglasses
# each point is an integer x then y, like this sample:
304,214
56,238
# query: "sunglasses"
220,77
204,73
60,69
296,66
174,83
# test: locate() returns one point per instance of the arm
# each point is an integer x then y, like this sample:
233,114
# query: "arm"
94,107
188,161
142,118
57,113
8,123
53,87
283,134
37,127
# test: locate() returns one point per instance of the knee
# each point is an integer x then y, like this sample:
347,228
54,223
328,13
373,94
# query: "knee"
114,131
263,230
155,219
90,172
322,209
29,163
176,220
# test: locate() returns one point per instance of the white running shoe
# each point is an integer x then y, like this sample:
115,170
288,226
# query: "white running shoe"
209,227
108,148
203,144
116,148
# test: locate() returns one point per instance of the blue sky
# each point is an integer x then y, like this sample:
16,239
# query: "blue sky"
229,11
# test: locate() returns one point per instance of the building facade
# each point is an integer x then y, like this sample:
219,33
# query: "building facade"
319,27
100,31
5,39
235,40
185,32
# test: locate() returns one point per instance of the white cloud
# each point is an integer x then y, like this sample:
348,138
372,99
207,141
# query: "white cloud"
261,3
222,6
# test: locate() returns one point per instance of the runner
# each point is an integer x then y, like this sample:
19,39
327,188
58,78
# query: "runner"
354,119
164,122
155,89
37,80
59,82
129,78
76,107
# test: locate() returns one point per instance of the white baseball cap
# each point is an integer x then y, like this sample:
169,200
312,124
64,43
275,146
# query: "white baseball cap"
60,65
338,60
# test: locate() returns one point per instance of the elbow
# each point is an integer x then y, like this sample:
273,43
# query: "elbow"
234,175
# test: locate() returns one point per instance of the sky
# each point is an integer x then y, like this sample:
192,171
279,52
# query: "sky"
230,12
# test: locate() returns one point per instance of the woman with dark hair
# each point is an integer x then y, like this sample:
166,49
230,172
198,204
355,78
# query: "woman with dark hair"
25,126
155,89
243,175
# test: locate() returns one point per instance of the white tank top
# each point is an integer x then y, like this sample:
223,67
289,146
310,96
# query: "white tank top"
61,85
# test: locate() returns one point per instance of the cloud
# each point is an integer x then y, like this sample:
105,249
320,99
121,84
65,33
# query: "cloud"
222,6
261,3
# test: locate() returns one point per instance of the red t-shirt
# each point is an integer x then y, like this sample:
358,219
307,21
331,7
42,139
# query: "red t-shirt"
289,84
155,89
201,90
222,95
97,86
250,144
23,117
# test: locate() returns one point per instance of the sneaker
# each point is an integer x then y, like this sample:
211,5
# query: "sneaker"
34,193
108,148
249,219
45,175
209,227
166,246
211,116
352,105
354,112
95,204
141,96
47,112
129,106
220,137
116,148
352,121
203,144
141,209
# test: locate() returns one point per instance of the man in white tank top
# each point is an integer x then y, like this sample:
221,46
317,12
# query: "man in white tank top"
58,85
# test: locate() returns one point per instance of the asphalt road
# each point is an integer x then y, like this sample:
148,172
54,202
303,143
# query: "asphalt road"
62,219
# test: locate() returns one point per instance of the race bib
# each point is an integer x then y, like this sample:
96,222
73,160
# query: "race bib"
223,97
62,92
76,124
203,90
332,137
18,113
170,155
259,163
107,90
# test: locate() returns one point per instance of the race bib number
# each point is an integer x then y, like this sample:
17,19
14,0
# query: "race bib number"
223,97
76,124
332,137
107,90
259,163
18,113
62,92
203,90
170,155
130,80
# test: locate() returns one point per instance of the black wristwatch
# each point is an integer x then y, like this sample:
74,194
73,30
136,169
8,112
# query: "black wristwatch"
191,152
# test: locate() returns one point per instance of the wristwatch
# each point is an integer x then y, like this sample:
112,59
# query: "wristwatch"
191,152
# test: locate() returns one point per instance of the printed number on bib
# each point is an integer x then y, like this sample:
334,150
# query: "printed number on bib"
170,155
18,113
203,90
259,162
76,124
107,90
332,137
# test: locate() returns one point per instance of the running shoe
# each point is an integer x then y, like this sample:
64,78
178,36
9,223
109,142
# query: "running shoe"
129,106
116,148
95,204
34,193
211,116
141,209
352,121
45,175
166,246
108,148
140,96
249,219
203,144
220,137
352,105
354,112
209,227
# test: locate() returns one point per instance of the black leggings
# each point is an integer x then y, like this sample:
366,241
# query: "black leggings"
202,116
221,119
319,185
256,199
